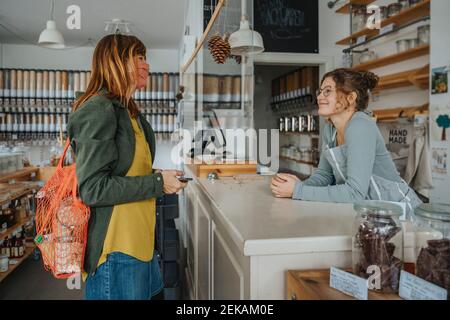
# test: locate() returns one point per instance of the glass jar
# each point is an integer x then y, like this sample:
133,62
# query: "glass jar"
281,125
404,4
359,19
413,43
294,124
383,12
432,234
377,244
307,156
394,9
24,152
367,56
403,45
423,34
287,124
4,263
414,2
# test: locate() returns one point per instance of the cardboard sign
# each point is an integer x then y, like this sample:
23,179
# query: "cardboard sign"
349,284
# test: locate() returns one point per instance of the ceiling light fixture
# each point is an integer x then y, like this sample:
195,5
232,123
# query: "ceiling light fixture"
50,37
118,26
245,41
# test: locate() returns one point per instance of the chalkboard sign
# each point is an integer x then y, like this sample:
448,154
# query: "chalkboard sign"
208,8
288,25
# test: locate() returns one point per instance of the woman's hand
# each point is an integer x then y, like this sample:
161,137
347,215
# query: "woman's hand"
171,182
283,185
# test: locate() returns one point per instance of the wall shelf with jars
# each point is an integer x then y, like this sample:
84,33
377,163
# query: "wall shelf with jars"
35,104
414,52
17,211
293,102
397,13
395,17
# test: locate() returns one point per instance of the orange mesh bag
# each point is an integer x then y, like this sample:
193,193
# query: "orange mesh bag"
62,222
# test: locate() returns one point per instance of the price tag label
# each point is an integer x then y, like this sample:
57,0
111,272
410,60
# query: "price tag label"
349,284
415,288
361,39
389,28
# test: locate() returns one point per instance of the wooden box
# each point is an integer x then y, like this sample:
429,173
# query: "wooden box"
314,285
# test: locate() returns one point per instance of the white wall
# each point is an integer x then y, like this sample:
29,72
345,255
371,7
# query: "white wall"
28,56
440,57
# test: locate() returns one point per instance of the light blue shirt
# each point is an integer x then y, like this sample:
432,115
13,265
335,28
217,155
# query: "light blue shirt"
366,155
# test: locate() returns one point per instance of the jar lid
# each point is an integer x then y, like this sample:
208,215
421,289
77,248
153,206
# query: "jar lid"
382,208
434,211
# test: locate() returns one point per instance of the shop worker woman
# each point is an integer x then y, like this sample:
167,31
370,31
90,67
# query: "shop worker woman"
114,148
354,163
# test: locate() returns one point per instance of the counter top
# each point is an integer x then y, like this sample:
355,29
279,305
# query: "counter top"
261,224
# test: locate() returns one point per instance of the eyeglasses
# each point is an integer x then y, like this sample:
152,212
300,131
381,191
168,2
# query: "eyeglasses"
326,91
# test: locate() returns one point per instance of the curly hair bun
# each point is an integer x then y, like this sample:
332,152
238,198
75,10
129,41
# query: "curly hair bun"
370,80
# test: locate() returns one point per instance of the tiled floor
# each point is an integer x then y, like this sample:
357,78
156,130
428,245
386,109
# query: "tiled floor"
31,282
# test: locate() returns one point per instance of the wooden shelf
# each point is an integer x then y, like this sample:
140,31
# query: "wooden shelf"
315,285
298,161
346,7
20,175
300,133
418,11
19,224
384,61
20,193
394,113
418,77
28,252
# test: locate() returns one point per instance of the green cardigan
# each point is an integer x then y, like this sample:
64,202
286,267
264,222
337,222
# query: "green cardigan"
103,141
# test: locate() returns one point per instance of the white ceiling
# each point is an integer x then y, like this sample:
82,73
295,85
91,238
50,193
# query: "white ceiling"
158,23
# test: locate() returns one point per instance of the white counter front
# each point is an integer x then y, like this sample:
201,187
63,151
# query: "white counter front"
240,239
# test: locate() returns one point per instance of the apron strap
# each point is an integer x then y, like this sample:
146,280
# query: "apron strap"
375,186
337,164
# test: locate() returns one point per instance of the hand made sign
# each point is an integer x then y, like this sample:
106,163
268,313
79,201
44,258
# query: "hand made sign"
398,136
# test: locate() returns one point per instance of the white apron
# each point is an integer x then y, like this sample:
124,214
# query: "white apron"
379,187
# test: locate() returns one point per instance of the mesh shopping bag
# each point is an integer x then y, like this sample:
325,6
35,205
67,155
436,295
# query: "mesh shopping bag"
62,222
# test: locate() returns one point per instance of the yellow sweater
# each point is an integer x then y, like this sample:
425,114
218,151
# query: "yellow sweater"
132,227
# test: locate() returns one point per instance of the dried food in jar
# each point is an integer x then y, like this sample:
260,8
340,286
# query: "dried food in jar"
433,263
378,245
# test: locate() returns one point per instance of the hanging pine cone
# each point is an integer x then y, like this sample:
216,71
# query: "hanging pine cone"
213,41
220,48
236,58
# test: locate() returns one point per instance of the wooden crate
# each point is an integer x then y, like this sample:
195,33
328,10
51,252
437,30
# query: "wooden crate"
314,285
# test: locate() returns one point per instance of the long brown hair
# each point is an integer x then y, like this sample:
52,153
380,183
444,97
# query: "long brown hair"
348,80
113,68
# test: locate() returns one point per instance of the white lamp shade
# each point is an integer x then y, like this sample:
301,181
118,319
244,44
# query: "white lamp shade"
246,41
51,37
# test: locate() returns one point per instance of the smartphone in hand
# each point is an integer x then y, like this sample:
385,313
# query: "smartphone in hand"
184,179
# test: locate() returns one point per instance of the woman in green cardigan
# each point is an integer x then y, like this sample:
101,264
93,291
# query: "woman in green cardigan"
115,147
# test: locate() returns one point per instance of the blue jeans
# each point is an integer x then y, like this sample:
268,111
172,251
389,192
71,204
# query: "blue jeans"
122,277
